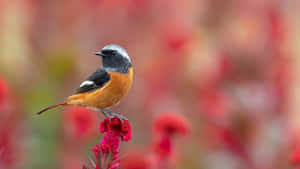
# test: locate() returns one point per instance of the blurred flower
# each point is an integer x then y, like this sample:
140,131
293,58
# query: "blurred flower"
215,103
163,147
231,141
10,128
166,126
171,124
136,160
80,122
80,126
107,152
85,167
6,98
295,157
277,28
176,36
6,149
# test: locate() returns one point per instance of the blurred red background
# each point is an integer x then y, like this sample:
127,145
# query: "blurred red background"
228,68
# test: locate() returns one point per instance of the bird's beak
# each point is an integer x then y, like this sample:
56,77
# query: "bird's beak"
99,53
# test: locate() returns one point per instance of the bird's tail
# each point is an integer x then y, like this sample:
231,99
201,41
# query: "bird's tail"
51,107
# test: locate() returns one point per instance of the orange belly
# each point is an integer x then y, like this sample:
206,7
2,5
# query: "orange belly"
110,94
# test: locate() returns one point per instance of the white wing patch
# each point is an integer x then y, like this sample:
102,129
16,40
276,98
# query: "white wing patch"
86,83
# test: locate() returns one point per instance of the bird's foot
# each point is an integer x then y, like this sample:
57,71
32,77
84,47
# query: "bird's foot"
106,112
111,115
119,116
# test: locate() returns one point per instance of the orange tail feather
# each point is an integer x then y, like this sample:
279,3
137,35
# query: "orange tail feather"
51,107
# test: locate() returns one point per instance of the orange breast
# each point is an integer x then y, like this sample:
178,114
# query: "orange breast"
110,94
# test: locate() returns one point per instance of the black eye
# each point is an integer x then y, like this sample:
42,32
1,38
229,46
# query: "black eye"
109,52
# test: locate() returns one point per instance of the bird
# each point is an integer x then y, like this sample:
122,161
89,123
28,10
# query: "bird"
106,86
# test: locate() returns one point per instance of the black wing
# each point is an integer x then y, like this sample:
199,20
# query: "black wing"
97,80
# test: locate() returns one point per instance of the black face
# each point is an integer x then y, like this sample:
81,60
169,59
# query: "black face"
114,61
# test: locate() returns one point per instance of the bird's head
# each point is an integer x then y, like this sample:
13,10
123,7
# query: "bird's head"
115,58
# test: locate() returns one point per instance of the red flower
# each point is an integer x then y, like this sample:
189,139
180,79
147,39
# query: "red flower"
115,130
170,124
80,121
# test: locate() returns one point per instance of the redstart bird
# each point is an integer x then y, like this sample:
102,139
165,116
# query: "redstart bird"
107,85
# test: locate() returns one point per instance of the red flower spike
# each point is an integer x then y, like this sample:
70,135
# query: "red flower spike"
170,124
116,130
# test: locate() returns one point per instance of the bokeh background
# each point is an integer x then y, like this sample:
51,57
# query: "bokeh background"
230,67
